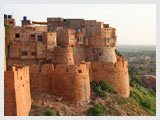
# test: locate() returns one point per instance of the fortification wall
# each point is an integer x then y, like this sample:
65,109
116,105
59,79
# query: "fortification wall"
79,54
100,53
114,73
17,98
71,82
63,56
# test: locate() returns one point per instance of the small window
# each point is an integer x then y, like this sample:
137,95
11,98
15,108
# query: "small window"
17,35
24,53
50,34
107,41
79,30
33,53
11,22
80,71
33,37
40,38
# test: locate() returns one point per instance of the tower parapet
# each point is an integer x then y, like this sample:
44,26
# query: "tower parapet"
114,73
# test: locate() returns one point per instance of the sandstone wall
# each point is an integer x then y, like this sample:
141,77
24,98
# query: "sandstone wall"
114,73
71,83
100,53
78,54
63,56
17,99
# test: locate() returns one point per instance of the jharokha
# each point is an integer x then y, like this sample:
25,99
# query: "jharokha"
59,57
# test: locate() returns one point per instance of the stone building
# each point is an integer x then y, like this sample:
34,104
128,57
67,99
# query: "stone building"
65,55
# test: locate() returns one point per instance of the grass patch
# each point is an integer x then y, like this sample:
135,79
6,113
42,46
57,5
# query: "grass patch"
102,88
96,110
35,106
145,98
49,112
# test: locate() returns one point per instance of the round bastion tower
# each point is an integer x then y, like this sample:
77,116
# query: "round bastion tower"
63,55
101,53
101,42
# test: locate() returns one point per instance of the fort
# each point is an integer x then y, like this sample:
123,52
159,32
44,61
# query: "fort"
60,57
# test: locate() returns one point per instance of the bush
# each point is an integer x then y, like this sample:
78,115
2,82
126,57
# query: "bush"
102,93
135,82
94,86
122,100
49,112
97,110
145,103
35,106
118,53
141,100
102,88
106,87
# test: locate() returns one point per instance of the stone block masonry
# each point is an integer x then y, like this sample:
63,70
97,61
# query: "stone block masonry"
114,73
17,98
72,82
63,57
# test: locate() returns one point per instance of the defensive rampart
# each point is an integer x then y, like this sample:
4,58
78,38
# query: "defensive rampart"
114,73
17,98
71,82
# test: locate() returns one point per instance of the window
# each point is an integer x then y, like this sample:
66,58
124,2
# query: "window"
33,37
17,35
40,38
33,53
24,53
80,71
79,30
107,41
11,22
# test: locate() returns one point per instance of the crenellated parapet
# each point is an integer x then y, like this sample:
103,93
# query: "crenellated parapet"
114,73
72,82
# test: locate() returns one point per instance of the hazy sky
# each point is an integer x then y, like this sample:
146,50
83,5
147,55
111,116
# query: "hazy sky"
135,23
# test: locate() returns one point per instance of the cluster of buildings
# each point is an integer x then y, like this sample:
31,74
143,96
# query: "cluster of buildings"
61,57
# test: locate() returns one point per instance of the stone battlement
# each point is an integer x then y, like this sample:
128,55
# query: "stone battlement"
72,82
121,63
49,68
114,73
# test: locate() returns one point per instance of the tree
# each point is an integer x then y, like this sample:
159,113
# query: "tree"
118,53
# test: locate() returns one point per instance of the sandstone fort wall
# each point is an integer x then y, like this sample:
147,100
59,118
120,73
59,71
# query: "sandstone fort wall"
17,98
114,73
71,82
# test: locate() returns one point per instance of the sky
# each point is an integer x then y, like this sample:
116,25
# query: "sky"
135,23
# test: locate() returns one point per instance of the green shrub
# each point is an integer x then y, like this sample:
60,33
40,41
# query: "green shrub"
145,103
102,88
118,53
102,93
49,112
35,106
140,99
94,86
106,87
135,82
122,100
96,110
